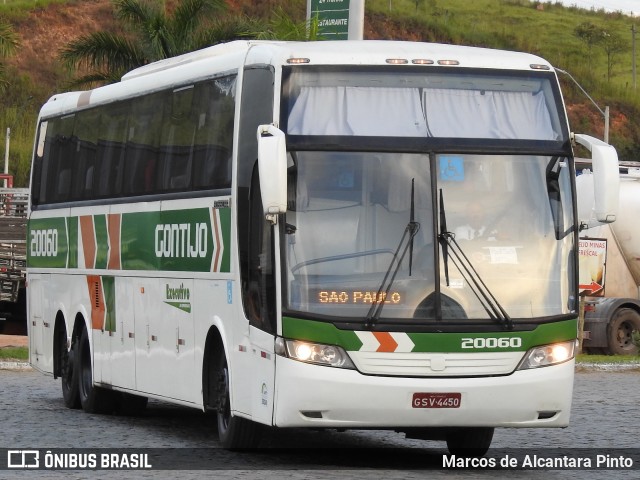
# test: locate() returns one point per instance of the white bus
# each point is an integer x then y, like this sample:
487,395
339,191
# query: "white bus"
329,235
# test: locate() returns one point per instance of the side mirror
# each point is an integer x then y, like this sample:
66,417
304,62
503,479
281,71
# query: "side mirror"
272,166
602,191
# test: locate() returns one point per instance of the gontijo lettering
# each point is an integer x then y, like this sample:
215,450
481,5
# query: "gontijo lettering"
181,240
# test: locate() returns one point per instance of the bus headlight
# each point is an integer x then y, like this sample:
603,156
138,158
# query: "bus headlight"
546,355
316,353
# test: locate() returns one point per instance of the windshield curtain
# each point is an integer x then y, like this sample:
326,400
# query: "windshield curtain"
356,218
424,103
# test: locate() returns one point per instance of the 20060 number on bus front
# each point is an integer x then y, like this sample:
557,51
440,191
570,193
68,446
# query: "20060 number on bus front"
436,400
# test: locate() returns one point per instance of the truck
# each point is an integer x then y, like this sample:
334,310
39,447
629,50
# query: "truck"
610,266
13,228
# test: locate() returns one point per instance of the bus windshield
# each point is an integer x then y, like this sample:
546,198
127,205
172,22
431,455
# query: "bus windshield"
355,218
423,102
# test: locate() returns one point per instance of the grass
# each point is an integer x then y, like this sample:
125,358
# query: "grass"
621,359
14,353
19,9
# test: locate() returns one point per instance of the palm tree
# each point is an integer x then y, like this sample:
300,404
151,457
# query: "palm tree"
8,45
156,34
282,27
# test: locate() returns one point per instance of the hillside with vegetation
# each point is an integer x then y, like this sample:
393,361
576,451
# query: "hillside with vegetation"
595,47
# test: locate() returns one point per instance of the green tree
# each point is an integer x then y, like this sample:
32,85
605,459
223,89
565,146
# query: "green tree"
8,46
156,32
612,44
591,35
282,27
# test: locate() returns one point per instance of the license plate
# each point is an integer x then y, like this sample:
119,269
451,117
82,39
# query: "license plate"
436,400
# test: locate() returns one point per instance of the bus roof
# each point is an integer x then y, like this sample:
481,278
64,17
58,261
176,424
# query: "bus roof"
229,57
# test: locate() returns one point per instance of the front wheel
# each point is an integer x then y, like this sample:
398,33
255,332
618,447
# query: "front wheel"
470,442
620,332
93,399
234,433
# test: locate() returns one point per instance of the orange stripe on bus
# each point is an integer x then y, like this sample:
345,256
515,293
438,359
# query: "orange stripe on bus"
88,240
387,343
113,227
96,297
217,246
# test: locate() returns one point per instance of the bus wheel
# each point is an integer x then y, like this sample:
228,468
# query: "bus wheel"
234,433
621,327
93,399
470,442
69,374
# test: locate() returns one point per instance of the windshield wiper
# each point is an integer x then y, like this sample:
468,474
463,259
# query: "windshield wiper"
451,249
409,234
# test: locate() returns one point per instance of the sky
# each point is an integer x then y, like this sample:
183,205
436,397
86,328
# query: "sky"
625,6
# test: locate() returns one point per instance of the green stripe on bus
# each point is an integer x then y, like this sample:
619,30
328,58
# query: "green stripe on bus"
108,286
320,332
102,240
72,234
173,240
190,240
327,333
225,224
47,245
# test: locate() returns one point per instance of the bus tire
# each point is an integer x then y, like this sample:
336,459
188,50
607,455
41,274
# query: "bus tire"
68,370
619,332
93,399
234,433
470,442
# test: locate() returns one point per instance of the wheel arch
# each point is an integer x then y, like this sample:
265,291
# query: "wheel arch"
62,327
213,344
59,329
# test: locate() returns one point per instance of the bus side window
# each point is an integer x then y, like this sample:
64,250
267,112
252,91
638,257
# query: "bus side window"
212,167
86,131
63,185
111,156
59,155
111,150
213,140
84,167
144,133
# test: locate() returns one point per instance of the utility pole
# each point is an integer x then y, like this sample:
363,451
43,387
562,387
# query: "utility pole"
633,53
6,155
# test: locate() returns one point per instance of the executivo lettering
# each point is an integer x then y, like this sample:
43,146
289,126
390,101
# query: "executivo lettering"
180,293
181,240
178,297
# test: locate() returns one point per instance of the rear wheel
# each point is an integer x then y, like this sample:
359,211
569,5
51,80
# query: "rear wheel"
620,330
470,442
234,433
69,374
93,399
